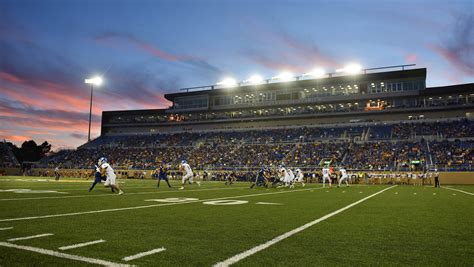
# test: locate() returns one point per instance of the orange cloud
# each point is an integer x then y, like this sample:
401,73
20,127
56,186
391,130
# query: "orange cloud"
16,138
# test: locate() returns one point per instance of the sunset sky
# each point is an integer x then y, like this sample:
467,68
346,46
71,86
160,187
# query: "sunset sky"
147,48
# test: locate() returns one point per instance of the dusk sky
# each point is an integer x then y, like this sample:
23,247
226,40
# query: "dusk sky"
144,49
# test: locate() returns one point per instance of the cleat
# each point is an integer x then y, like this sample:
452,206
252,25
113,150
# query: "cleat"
121,192
181,188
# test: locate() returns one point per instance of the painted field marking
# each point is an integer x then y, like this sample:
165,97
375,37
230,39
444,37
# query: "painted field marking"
29,191
143,254
62,255
80,245
6,228
111,195
29,237
465,192
145,206
83,188
279,238
173,199
225,202
267,203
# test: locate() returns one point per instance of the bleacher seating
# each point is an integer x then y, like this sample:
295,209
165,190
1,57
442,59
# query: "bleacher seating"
382,146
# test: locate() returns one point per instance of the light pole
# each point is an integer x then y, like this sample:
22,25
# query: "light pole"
97,81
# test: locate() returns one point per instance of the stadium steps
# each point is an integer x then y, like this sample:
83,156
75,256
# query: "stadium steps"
428,152
365,136
346,153
10,154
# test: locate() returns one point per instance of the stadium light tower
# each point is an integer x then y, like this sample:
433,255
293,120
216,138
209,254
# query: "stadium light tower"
97,81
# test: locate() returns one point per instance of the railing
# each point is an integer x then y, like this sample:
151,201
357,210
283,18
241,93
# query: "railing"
297,78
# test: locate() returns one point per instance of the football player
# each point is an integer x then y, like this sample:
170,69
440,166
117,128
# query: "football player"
189,174
106,169
291,178
163,175
262,178
299,177
326,176
230,178
98,178
284,176
57,174
344,176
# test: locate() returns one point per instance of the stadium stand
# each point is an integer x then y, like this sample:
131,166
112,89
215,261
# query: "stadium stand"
7,158
376,120
389,147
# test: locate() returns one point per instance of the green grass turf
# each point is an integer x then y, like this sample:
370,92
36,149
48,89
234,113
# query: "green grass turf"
397,227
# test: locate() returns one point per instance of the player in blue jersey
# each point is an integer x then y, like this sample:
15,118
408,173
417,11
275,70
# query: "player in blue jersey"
162,175
98,178
262,178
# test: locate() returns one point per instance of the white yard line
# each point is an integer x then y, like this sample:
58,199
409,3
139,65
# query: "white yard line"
6,228
146,206
62,255
29,237
83,188
143,254
267,203
279,238
109,195
465,192
80,245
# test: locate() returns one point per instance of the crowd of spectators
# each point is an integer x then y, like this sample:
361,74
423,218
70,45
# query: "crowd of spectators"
385,147
371,155
453,129
454,155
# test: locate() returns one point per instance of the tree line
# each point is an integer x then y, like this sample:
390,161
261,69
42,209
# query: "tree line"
30,151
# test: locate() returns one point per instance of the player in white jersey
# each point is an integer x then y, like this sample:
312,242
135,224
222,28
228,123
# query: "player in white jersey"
326,176
291,178
344,176
284,176
299,177
187,174
108,171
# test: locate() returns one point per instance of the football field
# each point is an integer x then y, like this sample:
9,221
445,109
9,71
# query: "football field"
47,222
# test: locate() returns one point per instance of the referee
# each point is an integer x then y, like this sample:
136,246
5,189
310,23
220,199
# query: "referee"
436,178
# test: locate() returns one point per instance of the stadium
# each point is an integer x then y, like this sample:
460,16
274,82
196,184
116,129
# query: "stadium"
378,120
391,133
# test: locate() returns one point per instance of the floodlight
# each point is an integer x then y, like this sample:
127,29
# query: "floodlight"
97,81
254,79
284,76
317,73
351,68
228,82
